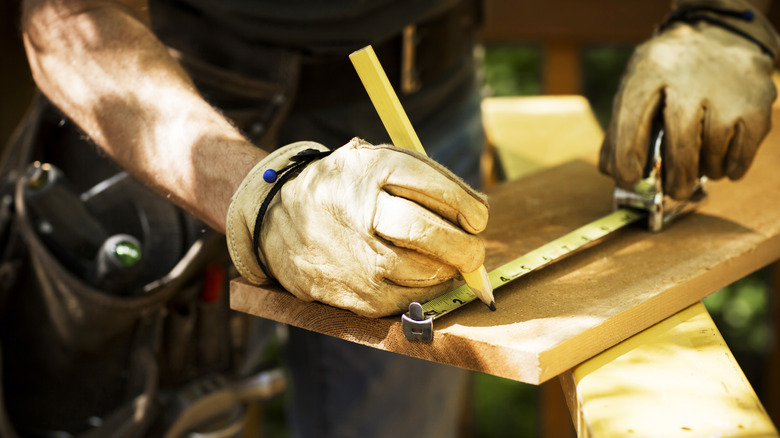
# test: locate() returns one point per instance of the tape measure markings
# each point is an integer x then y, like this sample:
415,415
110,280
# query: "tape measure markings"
536,259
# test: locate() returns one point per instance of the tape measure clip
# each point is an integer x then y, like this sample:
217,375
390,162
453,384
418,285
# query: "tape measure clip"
416,326
648,195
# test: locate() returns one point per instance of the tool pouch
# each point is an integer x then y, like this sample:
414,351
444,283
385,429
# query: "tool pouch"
83,316
91,361
61,335
81,354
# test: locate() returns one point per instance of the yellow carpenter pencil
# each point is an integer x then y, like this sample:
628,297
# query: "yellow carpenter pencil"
402,134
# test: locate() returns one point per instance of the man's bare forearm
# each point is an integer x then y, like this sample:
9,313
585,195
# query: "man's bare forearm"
99,62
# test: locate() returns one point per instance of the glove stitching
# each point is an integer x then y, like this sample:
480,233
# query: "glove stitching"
243,268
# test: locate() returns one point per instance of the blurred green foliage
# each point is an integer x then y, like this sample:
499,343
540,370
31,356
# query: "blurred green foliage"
603,67
504,408
742,309
741,312
512,70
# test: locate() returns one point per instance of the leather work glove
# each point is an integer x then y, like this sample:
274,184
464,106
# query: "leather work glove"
367,228
710,74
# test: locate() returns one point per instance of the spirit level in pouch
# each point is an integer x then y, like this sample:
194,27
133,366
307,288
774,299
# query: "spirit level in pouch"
645,200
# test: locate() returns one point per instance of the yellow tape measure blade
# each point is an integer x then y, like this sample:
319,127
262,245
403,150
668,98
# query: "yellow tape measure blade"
537,259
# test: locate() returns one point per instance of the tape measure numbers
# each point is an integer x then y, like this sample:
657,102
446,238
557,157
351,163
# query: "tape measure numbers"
529,262
646,200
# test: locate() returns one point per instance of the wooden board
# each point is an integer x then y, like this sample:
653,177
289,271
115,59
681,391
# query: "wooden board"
513,123
678,378
552,320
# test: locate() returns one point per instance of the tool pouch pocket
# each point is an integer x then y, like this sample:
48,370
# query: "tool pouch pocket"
71,340
81,315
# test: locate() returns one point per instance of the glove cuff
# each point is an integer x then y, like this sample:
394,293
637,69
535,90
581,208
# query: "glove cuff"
737,16
250,197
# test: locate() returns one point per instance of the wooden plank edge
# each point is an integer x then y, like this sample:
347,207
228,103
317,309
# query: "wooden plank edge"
382,333
649,312
519,365
703,351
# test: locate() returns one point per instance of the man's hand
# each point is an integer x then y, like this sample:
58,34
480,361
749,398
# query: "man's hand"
367,228
716,92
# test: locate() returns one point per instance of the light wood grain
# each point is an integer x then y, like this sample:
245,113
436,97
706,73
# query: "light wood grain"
527,136
556,318
678,378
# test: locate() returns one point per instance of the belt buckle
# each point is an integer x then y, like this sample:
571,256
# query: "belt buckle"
410,77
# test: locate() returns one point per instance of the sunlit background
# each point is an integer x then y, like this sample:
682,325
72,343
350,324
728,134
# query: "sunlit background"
501,407
741,311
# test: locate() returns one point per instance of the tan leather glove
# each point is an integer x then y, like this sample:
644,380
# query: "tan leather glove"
367,228
715,90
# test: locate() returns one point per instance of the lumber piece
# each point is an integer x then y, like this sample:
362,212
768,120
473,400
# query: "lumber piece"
562,71
554,319
677,378
513,123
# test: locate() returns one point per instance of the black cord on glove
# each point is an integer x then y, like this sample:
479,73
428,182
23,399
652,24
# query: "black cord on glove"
278,178
693,14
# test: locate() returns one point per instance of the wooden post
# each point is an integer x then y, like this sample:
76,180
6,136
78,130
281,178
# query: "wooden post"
562,68
677,378
553,411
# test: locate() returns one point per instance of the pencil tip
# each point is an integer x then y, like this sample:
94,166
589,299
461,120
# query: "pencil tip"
479,282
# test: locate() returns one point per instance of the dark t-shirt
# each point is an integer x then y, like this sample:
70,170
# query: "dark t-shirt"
312,26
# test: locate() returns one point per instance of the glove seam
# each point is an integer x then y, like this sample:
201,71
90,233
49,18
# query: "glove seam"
242,267
241,212
300,161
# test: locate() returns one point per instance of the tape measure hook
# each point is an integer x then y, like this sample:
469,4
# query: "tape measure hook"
648,195
415,325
